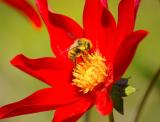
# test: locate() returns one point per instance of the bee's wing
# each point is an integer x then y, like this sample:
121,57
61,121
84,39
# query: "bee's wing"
72,47
62,53
68,49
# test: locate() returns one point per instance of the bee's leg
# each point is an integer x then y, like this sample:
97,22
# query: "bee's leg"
85,56
78,59
74,61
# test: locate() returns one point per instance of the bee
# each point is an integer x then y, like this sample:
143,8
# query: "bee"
79,48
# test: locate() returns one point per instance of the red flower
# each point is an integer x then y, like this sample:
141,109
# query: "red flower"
85,80
24,7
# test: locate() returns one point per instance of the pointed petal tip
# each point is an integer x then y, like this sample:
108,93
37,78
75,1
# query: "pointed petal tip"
140,33
43,100
27,9
2,111
16,58
145,32
37,26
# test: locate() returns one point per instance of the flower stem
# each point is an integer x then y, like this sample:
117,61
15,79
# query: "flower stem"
111,117
146,95
87,116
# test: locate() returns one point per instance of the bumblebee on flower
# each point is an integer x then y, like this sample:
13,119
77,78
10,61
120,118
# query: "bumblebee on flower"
88,61
79,48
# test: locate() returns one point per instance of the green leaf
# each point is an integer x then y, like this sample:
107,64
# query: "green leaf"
117,100
119,90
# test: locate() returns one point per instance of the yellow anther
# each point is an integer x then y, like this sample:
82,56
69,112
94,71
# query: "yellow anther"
90,73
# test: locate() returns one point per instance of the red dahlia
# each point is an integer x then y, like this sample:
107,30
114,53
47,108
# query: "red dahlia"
88,61
27,9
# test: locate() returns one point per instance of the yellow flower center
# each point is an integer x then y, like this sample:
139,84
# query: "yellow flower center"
91,72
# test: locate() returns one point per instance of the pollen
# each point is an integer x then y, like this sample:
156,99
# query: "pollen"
91,72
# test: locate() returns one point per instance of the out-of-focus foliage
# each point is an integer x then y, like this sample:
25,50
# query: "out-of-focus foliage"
18,36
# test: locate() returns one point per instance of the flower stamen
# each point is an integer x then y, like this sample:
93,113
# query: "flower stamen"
90,72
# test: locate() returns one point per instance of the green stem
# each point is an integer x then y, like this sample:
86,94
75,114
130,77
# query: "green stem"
146,95
111,117
87,116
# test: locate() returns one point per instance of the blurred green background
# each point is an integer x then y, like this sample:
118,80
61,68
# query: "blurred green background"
18,36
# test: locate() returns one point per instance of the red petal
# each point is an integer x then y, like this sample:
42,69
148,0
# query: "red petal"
24,7
137,3
126,19
49,70
42,100
104,102
63,30
99,26
73,112
126,52
104,3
